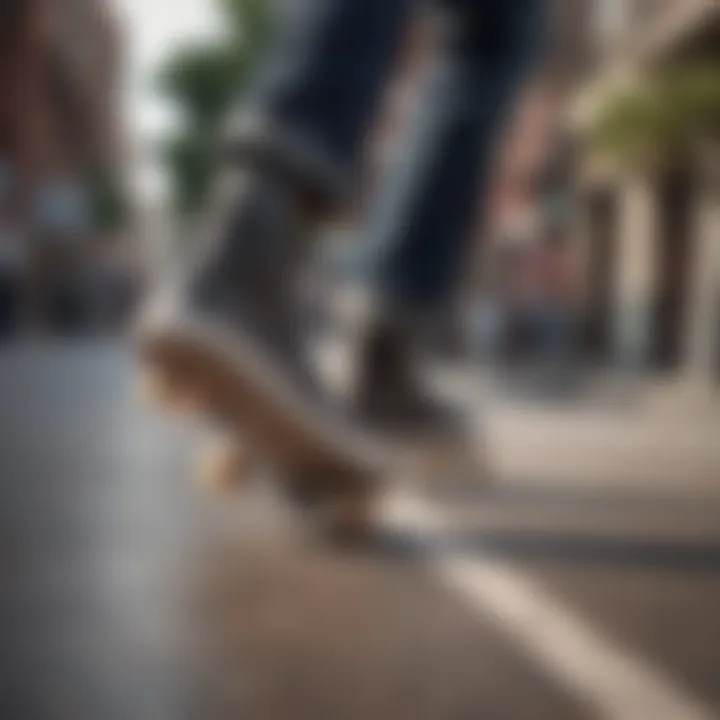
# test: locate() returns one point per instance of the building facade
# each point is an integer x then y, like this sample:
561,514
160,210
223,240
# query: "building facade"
59,128
650,240
59,87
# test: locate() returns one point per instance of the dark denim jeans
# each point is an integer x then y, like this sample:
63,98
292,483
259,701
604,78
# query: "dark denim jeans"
318,92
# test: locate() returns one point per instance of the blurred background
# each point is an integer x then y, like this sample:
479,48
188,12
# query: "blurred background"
596,243
586,343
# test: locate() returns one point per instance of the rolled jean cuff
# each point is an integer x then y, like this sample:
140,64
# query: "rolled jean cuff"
257,138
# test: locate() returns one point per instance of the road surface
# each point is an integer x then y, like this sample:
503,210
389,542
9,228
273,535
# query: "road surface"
128,593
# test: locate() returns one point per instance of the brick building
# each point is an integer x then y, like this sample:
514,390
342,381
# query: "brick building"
59,72
59,124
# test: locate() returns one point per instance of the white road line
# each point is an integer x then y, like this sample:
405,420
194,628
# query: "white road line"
612,681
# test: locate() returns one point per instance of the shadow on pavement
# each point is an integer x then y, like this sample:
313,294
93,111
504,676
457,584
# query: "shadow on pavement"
544,547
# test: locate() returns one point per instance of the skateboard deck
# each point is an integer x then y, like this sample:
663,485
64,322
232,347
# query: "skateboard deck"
336,485
337,507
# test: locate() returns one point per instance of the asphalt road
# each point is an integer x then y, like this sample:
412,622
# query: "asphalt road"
128,593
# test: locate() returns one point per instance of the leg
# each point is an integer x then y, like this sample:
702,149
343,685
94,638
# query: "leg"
422,222
301,129
318,90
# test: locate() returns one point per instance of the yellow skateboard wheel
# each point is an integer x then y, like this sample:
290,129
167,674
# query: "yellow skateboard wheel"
223,466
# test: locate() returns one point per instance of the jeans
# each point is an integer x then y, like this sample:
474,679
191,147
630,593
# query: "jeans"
553,330
316,95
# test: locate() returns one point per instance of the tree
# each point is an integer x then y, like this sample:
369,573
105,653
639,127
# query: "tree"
659,124
109,201
204,80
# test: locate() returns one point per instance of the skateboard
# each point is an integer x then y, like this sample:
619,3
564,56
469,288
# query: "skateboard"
337,506
337,491
336,494
228,464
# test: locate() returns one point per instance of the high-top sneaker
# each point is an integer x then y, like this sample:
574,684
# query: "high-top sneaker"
389,391
238,281
433,438
227,329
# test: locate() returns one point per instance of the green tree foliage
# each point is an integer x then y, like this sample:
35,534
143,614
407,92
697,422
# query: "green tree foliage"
204,80
659,123
108,197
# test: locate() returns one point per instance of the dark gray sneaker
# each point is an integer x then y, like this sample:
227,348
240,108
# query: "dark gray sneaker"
433,438
390,394
228,330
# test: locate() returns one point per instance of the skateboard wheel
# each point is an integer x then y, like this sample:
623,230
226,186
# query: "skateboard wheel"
223,466
348,518
455,465
159,388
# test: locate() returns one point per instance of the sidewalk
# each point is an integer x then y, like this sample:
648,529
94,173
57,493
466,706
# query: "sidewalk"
630,437
663,439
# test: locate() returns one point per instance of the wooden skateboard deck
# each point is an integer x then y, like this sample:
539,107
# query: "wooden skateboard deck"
335,487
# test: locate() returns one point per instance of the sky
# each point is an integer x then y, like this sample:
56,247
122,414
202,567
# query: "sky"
152,28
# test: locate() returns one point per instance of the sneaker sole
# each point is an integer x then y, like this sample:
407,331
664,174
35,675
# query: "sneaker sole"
205,370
